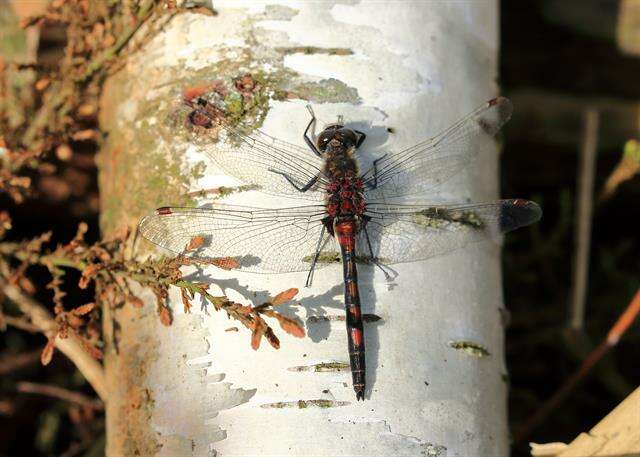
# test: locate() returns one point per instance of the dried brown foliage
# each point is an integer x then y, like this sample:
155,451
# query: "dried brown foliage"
48,110
284,296
49,134
105,266
47,352
48,120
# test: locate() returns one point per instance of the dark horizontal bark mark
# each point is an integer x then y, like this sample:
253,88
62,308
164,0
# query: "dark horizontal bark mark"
341,318
303,404
322,367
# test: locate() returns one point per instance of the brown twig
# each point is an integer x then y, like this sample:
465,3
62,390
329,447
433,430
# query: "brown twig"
96,64
586,174
59,392
617,331
21,323
103,263
71,346
10,363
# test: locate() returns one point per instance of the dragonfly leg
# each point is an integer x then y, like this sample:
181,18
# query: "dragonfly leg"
307,138
375,261
304,188
374,184
315,258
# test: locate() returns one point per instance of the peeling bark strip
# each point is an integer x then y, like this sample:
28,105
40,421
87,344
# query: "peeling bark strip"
415,67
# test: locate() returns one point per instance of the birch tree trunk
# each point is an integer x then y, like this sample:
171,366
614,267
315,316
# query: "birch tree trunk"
436,374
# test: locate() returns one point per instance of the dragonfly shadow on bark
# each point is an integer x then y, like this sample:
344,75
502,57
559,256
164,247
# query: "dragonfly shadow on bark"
255,297
321,310
376,144
371,320
324,312
321,323
315,306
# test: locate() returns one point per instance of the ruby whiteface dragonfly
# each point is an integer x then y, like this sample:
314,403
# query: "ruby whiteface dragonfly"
351,217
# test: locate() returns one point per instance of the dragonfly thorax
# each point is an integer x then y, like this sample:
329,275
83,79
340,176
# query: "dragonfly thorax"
340,163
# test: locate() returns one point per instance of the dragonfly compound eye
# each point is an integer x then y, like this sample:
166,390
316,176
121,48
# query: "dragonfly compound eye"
324,138
347,137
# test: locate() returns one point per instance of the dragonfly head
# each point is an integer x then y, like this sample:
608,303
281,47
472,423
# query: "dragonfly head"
337,135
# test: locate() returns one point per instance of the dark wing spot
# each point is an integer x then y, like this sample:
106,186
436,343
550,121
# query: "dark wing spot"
518,213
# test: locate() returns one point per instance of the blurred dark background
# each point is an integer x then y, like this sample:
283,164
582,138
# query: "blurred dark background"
558,60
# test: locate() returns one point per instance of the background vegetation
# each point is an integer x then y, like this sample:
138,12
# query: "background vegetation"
560,60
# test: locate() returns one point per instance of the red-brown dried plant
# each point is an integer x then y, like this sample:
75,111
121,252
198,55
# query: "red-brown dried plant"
106,266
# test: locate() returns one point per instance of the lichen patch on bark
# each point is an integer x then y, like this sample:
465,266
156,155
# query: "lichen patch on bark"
143,164
137,172
470,348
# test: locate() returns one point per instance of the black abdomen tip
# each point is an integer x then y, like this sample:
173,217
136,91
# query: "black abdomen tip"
359,392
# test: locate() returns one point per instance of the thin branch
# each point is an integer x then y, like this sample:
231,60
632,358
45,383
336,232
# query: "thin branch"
21,323
59,392
10,363
617,330
97,264
96,64
587,165
71,346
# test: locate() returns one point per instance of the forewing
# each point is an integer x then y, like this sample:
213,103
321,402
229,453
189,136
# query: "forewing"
427,165
254,157
260,240
404,233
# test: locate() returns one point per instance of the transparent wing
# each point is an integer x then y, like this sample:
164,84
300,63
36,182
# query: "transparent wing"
428,164
260,240
255,157
404,233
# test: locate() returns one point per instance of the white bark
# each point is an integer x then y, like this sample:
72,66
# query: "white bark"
416,67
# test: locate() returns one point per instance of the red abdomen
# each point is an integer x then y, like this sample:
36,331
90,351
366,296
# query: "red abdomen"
345,232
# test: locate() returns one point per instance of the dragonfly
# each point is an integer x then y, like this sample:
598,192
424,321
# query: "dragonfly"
349,216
